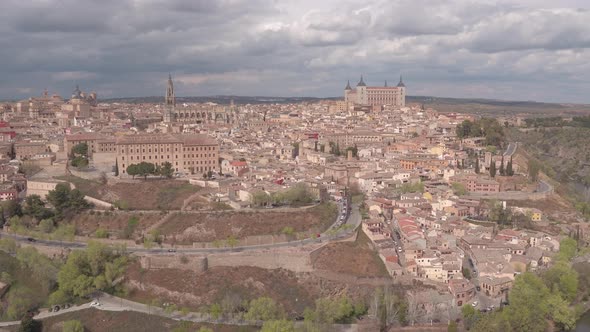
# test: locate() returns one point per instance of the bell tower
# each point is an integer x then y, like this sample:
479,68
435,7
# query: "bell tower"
170,100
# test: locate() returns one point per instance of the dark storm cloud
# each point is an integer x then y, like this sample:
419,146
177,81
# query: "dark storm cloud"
496,49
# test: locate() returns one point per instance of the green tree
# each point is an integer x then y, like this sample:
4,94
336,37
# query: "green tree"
59,196
560,313
167,170
459,189
502,171
101,233
80,149
46,225
204,329
58,297
35,207
79,162
116,167
96,268
295,152
492,168
11,208
73,326
145,169
470,316
528,304
567,249
466,273
476,165
2,217
215,311
509,170
263,308
282,325
20,299
133,170
28,324
563,279
65,200
534,167
452,327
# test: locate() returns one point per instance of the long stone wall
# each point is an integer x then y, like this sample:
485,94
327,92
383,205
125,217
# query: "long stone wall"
296,260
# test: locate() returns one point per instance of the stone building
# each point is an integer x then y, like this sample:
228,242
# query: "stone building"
188,154
376,95
196,113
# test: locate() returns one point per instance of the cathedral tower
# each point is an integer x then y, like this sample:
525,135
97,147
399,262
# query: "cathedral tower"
170,99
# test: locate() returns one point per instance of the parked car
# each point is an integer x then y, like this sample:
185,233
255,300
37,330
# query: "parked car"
474,304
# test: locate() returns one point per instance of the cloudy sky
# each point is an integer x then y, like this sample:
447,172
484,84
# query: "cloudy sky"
505,49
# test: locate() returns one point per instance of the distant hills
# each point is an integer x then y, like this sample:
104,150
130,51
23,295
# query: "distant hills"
221,99
462,105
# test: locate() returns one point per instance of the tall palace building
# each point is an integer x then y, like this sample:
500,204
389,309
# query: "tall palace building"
376,95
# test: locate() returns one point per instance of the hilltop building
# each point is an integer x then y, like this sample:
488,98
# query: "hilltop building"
364,95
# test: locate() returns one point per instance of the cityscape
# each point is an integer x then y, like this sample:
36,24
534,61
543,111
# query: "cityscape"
328,176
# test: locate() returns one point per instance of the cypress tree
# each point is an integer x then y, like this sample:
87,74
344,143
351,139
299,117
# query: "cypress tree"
502,166
476,165
509,170
492,168
116,167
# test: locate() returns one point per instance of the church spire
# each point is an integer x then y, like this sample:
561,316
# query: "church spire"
361,82
348,86
385,83
170,98
401,82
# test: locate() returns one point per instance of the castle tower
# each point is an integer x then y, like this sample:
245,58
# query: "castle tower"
361,91
170,101
402,88
347,90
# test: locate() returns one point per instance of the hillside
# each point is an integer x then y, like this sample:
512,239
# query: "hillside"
565,156
497,107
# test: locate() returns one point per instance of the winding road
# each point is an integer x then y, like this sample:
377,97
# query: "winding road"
510,149
332,234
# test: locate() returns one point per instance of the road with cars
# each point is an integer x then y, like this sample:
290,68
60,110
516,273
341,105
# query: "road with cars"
347,215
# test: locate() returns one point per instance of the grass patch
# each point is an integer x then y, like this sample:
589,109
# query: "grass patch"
328,212
363,241
167,195
87,187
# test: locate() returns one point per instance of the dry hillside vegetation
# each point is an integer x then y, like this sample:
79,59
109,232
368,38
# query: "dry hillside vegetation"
88,223
155,194
220,285
208,227
351,258
189,289
125,321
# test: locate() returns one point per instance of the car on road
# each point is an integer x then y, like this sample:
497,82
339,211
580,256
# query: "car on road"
30,239
95,304
171,250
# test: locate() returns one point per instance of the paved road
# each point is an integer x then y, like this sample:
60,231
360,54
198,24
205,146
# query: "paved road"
353,219
510,149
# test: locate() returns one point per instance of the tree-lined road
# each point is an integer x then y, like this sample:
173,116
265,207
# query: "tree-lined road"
354,220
